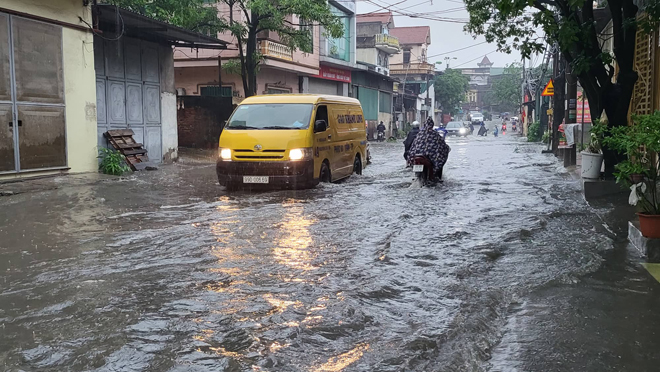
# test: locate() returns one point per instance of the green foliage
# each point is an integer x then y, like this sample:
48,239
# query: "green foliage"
531,26
533,132
597,135
507,89
450,89
193,15
112,162
546,137
641,143
232,67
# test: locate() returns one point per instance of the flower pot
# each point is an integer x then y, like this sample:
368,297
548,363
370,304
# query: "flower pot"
591,164
637,178
649,224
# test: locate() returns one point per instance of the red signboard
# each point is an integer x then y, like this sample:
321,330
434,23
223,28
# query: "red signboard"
582,102
333,73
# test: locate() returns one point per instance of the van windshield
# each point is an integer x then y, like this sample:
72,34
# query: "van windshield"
271,116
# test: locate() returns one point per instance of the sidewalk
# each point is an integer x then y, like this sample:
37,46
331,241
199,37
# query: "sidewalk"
191,167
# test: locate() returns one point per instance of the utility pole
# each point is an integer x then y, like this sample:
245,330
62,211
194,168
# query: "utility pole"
571,111
557,99
523,85
220,74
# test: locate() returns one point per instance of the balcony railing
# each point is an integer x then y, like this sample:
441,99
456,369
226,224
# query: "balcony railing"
411,68
391,43
276,50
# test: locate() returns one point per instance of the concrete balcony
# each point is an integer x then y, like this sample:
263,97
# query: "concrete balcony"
387,43
416,68
275,50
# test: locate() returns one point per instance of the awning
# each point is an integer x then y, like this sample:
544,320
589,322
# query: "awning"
114,20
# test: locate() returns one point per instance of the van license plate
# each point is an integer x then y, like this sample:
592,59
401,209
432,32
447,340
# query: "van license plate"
418,168
255,179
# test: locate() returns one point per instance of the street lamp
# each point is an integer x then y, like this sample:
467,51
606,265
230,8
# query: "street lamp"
448,59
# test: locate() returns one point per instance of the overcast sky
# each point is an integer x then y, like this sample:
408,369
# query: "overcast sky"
445,36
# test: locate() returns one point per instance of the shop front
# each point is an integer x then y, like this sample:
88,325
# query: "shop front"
330,80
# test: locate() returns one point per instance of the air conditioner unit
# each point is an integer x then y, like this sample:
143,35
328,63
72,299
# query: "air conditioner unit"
379,69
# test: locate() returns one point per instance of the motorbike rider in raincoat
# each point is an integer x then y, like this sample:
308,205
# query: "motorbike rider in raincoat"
431,144
410,138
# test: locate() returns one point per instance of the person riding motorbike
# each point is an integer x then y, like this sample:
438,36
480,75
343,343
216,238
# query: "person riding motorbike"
513,126
409,140
471,128
504,127
381,129
431,144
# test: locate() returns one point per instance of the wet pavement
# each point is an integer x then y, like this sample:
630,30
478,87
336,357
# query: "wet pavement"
503,267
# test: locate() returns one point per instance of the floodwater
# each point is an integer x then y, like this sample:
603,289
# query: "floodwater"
166,271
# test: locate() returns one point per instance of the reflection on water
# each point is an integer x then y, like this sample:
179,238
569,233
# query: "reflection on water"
342,361
292,248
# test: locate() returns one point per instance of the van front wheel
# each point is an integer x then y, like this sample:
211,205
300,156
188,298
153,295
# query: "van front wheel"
357,165
325,173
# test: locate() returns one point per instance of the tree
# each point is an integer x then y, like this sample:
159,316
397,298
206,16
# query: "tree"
255,16
194,15
571,25
450,89
507,88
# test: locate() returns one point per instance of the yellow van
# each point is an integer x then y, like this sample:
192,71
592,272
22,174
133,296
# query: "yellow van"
293,140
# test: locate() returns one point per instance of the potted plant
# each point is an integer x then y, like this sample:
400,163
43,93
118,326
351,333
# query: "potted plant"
641,144
592,155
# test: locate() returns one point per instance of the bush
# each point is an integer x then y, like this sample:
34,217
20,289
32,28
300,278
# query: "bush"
546,137
641,143
533,132
112,162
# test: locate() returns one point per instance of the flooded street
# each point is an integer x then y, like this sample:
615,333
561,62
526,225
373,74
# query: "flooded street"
503,267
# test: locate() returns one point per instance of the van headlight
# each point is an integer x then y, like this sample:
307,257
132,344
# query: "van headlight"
225,154
462,131
300,154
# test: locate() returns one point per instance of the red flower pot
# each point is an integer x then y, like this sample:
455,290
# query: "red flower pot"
649,224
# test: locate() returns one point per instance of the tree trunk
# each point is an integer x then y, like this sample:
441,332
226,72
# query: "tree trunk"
251,59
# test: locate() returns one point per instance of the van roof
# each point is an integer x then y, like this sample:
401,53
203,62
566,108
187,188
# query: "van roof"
300,98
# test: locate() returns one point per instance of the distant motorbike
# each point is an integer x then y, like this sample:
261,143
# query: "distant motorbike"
381,136
423,169
514,128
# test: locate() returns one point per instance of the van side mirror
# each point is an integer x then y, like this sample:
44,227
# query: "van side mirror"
320,126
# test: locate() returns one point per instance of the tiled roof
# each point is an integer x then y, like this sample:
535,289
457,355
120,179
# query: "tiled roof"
383,17
412,35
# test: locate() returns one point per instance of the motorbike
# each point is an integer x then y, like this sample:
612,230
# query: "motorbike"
513,128
381,136
423,169
442,131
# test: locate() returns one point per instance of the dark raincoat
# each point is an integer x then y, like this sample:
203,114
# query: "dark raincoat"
409,141
431,144
482,130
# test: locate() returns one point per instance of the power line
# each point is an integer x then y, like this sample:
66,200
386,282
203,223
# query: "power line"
472,60
457,50
418,15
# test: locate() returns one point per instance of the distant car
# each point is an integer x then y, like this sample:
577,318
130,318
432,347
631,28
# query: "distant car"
456,128
477,118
